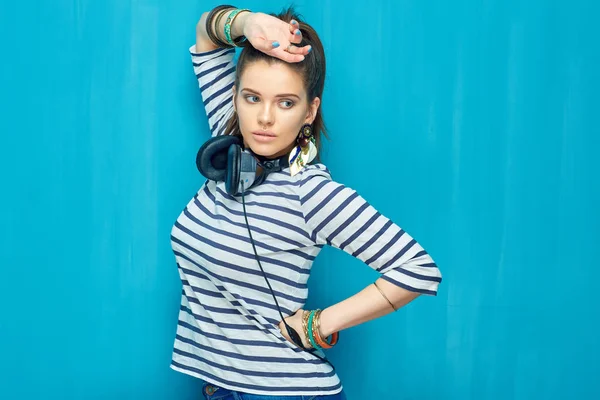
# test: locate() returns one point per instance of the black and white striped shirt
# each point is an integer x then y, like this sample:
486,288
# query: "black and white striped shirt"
228,332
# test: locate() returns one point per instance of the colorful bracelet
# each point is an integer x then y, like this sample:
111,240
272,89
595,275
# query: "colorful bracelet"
311,323
218,21
311,330
221,10
326,344
305,316
316,331
229,22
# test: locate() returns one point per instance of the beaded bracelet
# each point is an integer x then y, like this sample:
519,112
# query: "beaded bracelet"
229,22
305,315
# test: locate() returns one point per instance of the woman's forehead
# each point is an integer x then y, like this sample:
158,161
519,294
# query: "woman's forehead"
271,78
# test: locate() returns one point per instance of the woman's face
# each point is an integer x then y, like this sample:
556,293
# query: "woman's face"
272,106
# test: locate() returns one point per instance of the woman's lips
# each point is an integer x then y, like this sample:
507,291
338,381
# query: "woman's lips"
261,136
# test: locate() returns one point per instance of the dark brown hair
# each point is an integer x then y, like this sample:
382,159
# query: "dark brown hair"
311,69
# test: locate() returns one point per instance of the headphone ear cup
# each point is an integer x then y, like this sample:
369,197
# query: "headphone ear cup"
211,159
232,178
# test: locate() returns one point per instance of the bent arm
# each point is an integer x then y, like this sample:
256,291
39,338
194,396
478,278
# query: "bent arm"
364,306
338,216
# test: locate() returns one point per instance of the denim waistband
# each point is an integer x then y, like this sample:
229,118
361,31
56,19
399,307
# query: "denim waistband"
214,392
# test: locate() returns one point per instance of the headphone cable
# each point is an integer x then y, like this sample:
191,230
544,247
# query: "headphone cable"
291,332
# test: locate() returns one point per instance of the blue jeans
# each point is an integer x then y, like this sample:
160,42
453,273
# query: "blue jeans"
213,392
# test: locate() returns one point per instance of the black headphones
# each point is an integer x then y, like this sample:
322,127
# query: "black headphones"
222,158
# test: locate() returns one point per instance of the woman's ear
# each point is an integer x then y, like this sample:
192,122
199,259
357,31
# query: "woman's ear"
313,107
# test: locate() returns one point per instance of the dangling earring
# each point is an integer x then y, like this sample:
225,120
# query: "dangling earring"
304,152
304,135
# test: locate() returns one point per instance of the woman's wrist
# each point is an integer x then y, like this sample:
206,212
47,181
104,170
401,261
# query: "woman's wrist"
328,322
237,27
222,25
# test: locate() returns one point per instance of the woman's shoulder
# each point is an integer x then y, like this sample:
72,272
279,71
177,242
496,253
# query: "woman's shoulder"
312,171
307,179
315,178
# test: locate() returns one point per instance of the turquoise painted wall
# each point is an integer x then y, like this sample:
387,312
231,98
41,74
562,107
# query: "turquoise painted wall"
472,124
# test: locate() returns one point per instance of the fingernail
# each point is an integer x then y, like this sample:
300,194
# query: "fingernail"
275,44
294,22
297,31
309,49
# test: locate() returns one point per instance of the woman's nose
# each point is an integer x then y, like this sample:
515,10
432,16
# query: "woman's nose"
265,116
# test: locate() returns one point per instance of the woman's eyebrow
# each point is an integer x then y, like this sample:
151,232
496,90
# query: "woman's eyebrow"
279,95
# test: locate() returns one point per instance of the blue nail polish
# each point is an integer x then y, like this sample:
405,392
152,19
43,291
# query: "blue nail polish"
309,49
297,31
294,22
275,44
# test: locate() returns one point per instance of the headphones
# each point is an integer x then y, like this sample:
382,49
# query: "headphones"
222,158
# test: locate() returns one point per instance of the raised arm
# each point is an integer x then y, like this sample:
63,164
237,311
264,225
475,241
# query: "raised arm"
215,71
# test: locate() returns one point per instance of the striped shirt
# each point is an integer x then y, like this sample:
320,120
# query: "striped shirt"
227,332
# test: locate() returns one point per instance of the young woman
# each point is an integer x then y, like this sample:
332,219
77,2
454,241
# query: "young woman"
244,256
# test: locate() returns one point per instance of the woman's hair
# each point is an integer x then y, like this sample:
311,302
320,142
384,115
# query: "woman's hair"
311,69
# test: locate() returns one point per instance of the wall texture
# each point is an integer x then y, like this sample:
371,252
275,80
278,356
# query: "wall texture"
472,124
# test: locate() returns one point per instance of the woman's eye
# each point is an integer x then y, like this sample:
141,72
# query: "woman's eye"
252,99
287,104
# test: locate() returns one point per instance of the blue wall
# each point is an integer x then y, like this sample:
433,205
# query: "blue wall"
472,124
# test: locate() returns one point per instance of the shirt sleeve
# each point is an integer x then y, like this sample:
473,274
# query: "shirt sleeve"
215,71
338,216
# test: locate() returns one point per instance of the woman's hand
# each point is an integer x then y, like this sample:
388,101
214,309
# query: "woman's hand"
273,36
295,321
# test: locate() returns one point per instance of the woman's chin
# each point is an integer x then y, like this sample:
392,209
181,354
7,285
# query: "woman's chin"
262,150
268,150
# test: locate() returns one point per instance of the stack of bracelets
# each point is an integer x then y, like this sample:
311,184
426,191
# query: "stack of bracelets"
311,322
216,14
